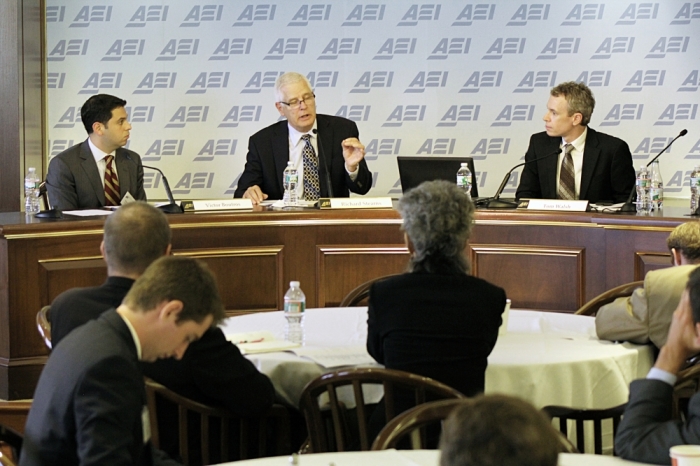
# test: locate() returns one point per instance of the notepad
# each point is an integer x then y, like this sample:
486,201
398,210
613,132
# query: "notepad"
259,342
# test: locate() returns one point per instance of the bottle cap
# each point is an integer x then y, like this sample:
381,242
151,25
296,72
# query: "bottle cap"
294,284
464,164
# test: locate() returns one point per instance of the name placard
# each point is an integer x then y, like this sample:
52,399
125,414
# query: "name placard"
217,204
355,203
556,204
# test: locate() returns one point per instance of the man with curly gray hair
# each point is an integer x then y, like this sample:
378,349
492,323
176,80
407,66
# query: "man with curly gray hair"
436,320
590,165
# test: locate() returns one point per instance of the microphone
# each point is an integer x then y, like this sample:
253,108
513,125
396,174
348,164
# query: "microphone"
172,207
50,212
630,206
495,202
322,156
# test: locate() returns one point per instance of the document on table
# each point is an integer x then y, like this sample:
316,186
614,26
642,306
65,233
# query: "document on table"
87,212
336,356
259,342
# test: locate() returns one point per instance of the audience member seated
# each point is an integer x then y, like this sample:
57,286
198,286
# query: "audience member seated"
89,406
498,430
212,371
647,431
646,315
436,320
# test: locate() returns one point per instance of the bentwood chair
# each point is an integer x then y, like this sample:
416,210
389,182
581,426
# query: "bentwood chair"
44,325
10,445
209,420
580,415
592,306
359,295
334,432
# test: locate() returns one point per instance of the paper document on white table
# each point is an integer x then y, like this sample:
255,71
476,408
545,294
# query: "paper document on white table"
336,356
259,342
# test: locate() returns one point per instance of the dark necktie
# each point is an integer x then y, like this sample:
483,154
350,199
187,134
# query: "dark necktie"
112,196
567,182
312,186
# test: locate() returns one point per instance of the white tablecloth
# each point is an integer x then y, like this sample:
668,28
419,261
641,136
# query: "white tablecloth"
546,358
409,458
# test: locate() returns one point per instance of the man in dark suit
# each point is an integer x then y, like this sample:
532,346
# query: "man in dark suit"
89,406
332,143
212,371
82,177
591,166
647,431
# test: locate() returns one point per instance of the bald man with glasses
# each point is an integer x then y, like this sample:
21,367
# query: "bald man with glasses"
314,143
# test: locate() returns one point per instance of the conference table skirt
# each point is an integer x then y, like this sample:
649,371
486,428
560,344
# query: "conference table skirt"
410,458
544,357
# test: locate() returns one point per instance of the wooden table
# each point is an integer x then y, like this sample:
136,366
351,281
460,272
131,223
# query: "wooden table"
551,261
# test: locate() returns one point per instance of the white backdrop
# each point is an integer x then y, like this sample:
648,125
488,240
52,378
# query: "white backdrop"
449,78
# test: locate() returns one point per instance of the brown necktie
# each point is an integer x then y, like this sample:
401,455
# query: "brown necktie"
112,196
567,183
312,185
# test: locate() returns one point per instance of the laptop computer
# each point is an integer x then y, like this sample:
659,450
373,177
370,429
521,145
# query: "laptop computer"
413,170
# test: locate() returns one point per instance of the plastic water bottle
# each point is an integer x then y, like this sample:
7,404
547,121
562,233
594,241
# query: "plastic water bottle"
31,192
464,179
694,189
657,187
643,190
291,177
294,307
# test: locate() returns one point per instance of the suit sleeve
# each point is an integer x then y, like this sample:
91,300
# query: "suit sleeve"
140,191
61,186
622,173
529,186
252,173
108,414
363,181
625,319
647,431
221,373
374,338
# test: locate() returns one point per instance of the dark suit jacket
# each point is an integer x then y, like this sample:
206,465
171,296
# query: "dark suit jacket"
607,173
439,326
88,406
647,431
268,154
212,371
73,181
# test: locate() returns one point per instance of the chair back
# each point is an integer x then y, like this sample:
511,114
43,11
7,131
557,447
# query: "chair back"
187,408
10,441
592,306
337,436
13,414
580,415
44,325
410,423
359,295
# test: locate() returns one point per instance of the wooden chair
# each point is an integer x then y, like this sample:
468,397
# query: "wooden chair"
337,437
564,414
5,461
359,295
44,325
186,408
592,306
10,444
13,414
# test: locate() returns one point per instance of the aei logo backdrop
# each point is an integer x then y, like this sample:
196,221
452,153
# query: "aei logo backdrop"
448,78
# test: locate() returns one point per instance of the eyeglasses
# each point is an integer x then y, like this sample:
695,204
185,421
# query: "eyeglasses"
296,103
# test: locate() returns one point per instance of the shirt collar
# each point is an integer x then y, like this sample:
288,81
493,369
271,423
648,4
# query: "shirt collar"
97,152
295,136
134,335
579,142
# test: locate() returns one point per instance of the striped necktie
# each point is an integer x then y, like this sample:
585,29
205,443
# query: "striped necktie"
112,196
567,182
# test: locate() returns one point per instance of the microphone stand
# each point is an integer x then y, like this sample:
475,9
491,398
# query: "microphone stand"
50,212
171,207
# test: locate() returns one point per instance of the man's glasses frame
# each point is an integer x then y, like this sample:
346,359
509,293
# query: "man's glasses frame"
296,104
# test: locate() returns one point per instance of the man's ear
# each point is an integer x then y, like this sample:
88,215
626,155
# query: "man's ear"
677,256
168,250
102,250
278,106
170,310
578,118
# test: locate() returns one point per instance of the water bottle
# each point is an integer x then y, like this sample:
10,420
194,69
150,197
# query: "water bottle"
294,306
31,192
657,187
643,190
290,184
464,179
694,189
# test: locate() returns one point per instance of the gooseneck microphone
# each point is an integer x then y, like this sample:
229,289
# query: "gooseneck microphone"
50,212
172,207
495,202
322,156
630,206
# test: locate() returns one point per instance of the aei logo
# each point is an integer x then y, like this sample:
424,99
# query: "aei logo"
361,13
525,13
668,45
163,148
691,82
59,145
649,146
454,46
638,11
202,13
439,146
372,79
253,13
584,12
125,47
404,113
398,46
308,13
471,13
505,46
563,45
376,147
415,13
457,113
514,113
677,112
612,45
648,78
622,112
148,13
242,113
55,80
481,79
55,14
65,48
89,14
322,78
595,78
211,80
156,80
101,81
176,47
283,47
261,79
533,79
229,47
193,180
354,113
425,79
214,147
69,118
686,13
191,114
490,146
340,46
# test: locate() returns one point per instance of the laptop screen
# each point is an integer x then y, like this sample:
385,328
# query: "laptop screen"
415,170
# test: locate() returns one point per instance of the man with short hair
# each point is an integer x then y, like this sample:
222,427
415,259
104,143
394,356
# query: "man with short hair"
314,143
591,166
498,430
646,315
647,431
98,172
89,406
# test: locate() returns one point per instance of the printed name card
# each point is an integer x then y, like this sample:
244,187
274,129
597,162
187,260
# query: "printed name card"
217,204
556,204
355,203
